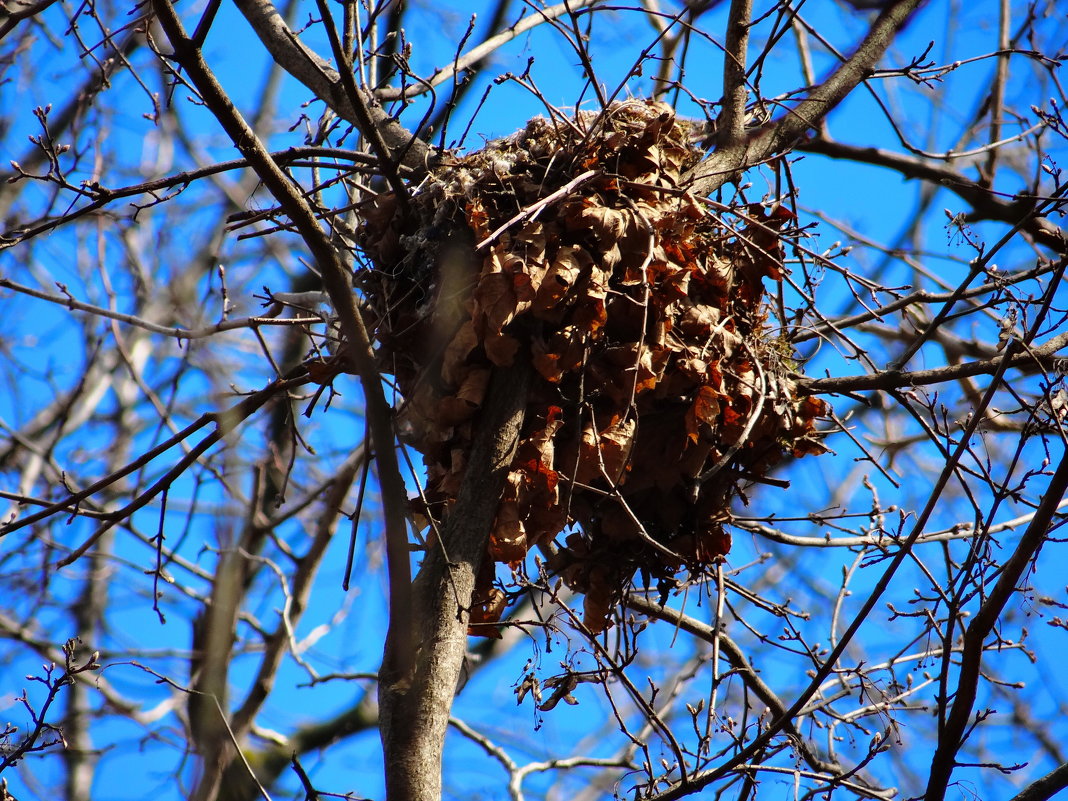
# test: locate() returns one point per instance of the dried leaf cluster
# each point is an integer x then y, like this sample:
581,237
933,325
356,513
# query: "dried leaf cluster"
575,247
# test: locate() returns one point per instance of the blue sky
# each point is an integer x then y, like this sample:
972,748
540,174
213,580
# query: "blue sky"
874,203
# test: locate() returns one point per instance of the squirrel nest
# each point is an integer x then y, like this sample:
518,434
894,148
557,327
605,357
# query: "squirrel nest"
659,393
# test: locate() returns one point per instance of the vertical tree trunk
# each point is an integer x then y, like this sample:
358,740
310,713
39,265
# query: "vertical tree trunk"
419,676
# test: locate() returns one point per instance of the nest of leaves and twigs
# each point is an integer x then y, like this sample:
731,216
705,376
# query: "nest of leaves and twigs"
659,395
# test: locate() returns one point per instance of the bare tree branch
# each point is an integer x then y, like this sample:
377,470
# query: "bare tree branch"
1046,787
337,286
730,127
325,83
985,203
768,141
952,736
763,491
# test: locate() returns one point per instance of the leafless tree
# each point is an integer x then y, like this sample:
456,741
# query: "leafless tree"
386,370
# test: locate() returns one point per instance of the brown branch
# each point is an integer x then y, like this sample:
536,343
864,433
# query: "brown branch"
1046,787
757,745
177,332
274,758
997,92
225,422
100,196
388,158
1042,358
925,297
740,664
297,596
782,134
730,127
213,640
480,52
985,203
272,761
223,776
12,19
63,119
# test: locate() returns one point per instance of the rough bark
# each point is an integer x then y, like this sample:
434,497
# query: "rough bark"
415,699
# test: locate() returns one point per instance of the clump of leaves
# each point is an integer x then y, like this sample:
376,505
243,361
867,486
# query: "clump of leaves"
574,245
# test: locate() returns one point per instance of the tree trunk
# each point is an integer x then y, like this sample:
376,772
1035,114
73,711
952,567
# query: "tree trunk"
422,661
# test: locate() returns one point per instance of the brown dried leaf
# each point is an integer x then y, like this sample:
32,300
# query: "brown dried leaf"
453,362
711,542
486,609
809,446
718,273
636,371
528,281
541,483
501,349
477,218
812,407
673,281
563,353
692,367
612,256
599,600
693,460
697,319
562,275
547,364
607,224
590,312
562,687
705,410
508,539
542,439
488,603
616,443
322,372
605,455
544,524
457,408
496,300
762,242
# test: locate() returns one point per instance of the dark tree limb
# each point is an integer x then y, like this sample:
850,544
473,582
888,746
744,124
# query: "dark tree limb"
1042,357
335,281
738,661
985,204
474,58
756,746
1046,787
730,127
